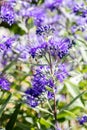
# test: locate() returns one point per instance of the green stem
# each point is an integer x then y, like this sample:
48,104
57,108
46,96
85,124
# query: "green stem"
55,109
52,74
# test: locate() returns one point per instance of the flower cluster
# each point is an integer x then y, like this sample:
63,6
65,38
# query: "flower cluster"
49,33
7,13
7,46
6,43
61,73
38,87
52,4
80,10
4,84
57,48
82,119
44,30
41,81
79,14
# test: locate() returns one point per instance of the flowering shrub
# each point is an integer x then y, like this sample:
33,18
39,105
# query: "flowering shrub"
43,64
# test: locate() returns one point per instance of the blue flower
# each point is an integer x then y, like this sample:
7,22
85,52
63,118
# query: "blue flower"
57,48
62,72
7,13
52,4
82,119
4,84
50,95
38,87
33,52
6,43
64,46
41,30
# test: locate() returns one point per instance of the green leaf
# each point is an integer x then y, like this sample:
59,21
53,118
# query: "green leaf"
44,110
13,118
22,126
74,91
29,120
30,23
68,105
23,26
40,2
4,104
16,29
66,115
46,123
49,89
70,114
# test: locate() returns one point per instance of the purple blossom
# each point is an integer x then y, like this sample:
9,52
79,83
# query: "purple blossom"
82,119
38,87
14,1
80,10
6,50
38,14
64,46
4,84
7,13
33,52
50,95
44,30
23,52
74,28
32,101
62,72
41,83
76,8
57,48
52,4
50,83
6,43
